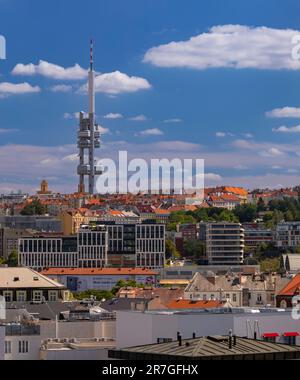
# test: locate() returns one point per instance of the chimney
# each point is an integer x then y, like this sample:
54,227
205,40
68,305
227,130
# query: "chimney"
230,340
179,340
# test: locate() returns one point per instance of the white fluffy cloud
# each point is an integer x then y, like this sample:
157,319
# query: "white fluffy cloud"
4,131
50,70
272,152
229,46
117,83
285,112
212,177
61,88
284,129
138,118
175,120
113,116
7,89
224,134
151,132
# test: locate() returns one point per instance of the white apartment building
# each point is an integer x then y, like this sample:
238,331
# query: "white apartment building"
225,243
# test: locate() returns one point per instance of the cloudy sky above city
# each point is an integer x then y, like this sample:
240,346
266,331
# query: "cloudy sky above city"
211,79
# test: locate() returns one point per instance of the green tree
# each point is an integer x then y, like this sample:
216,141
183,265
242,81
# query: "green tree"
246,213
34,208
194,248
171,250
270,265
125,284
97,294
182,217
12,260
261,205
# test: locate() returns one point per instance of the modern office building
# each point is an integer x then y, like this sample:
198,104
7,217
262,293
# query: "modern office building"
41,252
97,246
255,235
224,242
92,247
135,245
288,235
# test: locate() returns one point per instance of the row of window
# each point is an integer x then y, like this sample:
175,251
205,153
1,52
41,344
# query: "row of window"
37,295
23,347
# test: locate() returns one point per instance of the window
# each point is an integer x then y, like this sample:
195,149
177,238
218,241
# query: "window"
23,347
21,296
37,295
52,295
8,347
290,340
234,297
212,297
204,297
8,295
259,298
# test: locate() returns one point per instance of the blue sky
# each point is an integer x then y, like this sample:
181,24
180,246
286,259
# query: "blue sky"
208,97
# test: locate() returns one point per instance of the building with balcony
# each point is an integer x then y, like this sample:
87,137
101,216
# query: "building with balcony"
256,234
224,242
288,235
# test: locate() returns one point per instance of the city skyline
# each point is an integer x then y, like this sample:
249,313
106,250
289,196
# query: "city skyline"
159,75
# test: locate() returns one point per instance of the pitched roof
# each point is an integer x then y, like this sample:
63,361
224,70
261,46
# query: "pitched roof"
292,287
216,347
187,304
12,278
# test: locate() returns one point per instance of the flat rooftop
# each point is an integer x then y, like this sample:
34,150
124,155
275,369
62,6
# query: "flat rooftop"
222,311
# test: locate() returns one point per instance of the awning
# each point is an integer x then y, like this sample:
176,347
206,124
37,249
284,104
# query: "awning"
271,335
291,334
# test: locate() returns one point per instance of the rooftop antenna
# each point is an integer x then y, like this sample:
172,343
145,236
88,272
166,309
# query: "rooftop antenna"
91,54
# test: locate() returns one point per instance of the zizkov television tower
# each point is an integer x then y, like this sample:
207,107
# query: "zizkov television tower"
88,137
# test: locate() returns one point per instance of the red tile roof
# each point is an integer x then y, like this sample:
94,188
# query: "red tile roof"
187,304
292,287
99,271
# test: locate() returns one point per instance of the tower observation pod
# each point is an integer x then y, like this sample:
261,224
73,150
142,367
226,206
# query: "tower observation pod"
88,137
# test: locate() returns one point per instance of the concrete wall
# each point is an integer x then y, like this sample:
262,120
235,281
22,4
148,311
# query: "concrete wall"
137,328
78,354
